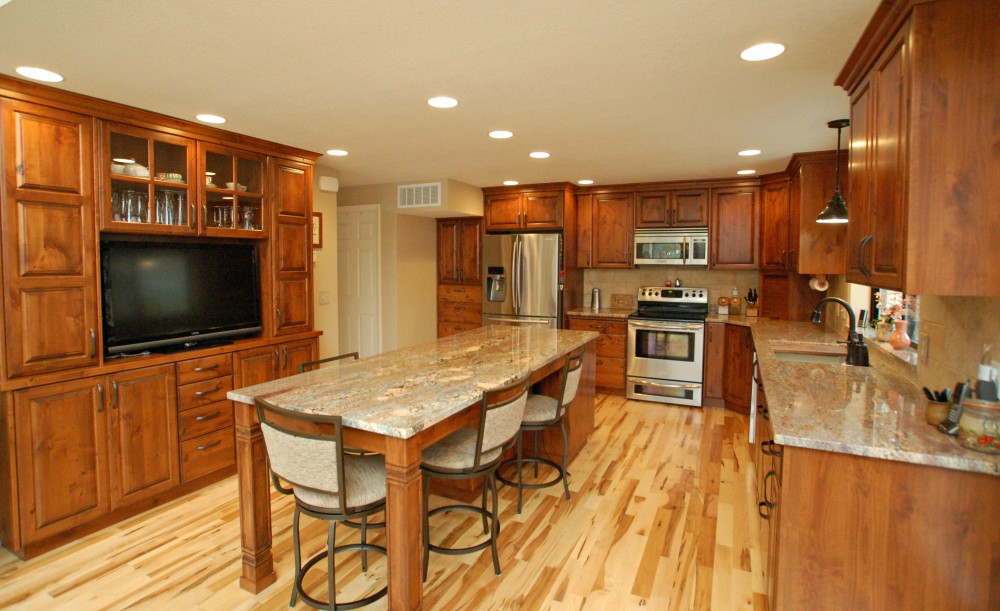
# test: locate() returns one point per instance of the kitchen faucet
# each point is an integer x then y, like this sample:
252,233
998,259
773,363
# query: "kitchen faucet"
857,350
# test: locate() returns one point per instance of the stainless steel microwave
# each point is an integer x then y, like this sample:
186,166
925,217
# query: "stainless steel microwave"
671,247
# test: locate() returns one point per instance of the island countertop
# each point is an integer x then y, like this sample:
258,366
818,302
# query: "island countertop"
868,411
400,393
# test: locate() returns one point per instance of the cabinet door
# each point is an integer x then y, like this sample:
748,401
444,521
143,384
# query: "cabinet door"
293,354
502,212
739,368
715,359
470,255
49,258
689,208
61,454
774,251
612,222
233,192
449,236
543,210
291,195
887,218
859,178
143,439
734,228
652,210
584,230
257,365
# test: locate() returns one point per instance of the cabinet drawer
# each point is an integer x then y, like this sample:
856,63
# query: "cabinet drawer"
610,372
464,293
204,392
205,419
601,325
451,328
611,345
196,370
469,313
208,453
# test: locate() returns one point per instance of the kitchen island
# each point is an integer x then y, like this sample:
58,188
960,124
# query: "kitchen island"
863,504
397,404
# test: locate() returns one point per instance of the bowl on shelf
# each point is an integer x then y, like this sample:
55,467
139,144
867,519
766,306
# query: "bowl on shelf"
138,170
241,187
117,168
229,185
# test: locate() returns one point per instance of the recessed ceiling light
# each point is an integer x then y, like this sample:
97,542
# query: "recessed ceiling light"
510,183
765,50
585,181
745,172
538,154
337,152
500,134
39,74
748,153
443,102
210,119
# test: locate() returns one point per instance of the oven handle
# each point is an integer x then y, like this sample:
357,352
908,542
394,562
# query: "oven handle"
648,382
666,326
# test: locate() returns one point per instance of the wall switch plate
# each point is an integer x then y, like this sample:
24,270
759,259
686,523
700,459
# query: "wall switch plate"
324,298
621,300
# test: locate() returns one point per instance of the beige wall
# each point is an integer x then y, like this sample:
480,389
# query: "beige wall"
325,270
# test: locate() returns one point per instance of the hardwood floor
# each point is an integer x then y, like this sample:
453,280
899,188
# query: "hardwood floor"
663,516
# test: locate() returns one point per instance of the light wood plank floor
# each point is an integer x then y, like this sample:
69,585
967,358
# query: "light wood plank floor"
662,517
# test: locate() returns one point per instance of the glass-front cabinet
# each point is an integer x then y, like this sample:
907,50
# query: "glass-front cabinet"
149,184
233,192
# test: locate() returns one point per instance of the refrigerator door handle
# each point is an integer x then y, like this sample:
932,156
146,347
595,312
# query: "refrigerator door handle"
515,268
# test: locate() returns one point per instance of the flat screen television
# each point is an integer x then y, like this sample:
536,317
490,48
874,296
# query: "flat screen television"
161,295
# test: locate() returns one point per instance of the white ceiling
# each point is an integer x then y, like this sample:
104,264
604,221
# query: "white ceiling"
630,91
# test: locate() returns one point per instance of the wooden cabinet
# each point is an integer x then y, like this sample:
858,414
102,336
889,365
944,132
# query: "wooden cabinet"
734,228
291,246
49,246
605,230
232,192
923,173
715,360
816,248
205,416
460,251
610,363
149,181
460,289
778,239
679,208
142,434
508,210
738,375
259,365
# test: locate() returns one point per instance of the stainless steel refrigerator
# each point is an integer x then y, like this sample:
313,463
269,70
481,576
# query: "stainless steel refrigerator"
521,279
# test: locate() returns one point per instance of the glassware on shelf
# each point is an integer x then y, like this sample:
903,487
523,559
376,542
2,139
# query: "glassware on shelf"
248,219
130,206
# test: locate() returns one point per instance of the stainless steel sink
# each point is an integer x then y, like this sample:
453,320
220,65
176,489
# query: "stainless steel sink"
809,352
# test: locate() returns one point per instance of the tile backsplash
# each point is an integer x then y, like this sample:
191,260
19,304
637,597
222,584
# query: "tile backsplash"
719,283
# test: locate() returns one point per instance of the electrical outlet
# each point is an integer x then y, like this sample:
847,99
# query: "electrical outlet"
324,298
736,292
621,300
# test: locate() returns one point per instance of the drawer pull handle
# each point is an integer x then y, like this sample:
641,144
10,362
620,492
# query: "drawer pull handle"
93,343
202,393
207,416
208,368
761,506
457,290
209,445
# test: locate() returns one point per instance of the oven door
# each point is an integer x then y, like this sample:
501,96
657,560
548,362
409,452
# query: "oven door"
663,391
664,350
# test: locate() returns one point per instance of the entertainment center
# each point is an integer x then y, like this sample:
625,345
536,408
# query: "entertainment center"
149,266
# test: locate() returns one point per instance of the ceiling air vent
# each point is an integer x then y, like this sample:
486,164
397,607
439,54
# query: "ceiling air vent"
424,195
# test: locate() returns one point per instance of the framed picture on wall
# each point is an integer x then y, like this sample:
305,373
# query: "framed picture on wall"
317,230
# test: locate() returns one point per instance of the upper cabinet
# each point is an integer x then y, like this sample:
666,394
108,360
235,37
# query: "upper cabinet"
460,250
924,82
147,181
50,300
733,234
605,231
232,192
677,208
777,243
510,210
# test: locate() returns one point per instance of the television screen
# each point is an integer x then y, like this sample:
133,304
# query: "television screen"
160,294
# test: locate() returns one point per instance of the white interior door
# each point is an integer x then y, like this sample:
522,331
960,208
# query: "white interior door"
358,280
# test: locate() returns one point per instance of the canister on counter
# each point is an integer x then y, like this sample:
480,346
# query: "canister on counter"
979,426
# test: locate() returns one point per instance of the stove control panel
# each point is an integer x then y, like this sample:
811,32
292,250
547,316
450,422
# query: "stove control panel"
673,295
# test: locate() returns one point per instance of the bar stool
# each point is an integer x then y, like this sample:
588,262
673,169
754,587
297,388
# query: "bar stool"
329,359
542,412
469,453
307,451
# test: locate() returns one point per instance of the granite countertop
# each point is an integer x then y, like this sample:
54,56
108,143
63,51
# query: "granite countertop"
402,392
622,313
868,411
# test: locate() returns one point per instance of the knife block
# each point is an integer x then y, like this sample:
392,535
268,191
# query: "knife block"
752,310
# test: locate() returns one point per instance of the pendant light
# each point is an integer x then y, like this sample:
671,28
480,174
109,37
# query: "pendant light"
836,208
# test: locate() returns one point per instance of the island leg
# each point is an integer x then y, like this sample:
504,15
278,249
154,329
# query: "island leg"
255,501
403,523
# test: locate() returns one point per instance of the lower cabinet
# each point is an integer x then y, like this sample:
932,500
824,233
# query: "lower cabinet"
715,360
738,375
259,365
460,308
610,363
205,416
